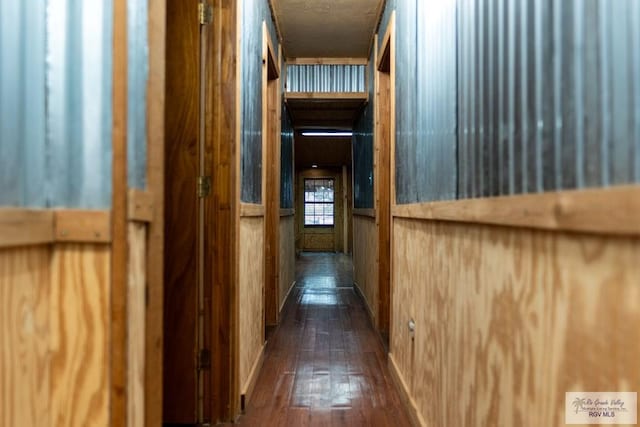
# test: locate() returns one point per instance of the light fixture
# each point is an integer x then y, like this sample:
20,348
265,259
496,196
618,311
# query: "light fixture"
314,166
334,133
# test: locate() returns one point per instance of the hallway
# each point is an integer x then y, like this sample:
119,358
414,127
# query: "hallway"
324,365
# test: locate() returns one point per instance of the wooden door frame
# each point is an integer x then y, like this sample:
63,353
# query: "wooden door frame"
119,246
155,235
271,146
384,141
221,208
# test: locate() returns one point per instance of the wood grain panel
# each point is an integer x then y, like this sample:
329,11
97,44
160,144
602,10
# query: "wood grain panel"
136,308
508,320
365,262
24,333
80,325
251,295
181,208
287,258
319,242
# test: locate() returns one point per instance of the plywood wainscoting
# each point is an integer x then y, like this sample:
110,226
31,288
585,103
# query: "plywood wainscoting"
509,319
54,332
365,263
287,257
25,300
251,300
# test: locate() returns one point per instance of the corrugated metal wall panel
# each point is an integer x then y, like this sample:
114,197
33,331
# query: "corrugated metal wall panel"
406,105
286,161
363,149
425,100
138,70
254,13
22,103
55,102
79,76
325,78
554,94
436,100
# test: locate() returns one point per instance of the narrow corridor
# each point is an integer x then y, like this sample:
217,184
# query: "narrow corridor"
324,365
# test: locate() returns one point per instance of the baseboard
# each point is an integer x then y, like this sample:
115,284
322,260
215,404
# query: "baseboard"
366,304
286,297
405,396
250,385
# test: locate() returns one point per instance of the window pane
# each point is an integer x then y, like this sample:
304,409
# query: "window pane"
319,202
308,210
328,210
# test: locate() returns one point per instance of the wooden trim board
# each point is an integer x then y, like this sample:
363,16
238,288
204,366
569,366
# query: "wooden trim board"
23,227
20,227
287,212
140,205
614,210
405,396
251,210
155,233
286,297
119,228
364,96
82,226
371,213
250,385
327,61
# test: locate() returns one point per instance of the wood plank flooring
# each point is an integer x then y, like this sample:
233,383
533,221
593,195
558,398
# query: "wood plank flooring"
324,365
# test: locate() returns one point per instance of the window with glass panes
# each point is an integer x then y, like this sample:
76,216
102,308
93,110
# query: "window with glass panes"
318,201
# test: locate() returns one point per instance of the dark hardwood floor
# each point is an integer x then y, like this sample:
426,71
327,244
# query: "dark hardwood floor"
324,365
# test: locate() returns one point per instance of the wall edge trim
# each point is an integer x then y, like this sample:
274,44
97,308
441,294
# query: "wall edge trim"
251,210
405,396
286,297
250,385
366,212
612,210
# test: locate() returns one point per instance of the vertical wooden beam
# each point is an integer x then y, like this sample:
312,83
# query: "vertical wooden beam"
271,188
120,256
155,235
222,210
345,208
385,171
391,149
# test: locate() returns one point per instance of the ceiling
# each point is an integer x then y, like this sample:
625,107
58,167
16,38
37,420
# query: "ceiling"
324,113
326,28
322,151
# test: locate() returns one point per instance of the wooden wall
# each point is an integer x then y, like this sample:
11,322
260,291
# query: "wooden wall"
54,322
365,262
509,319
322,238
250,297
287,257
136,318
25,289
